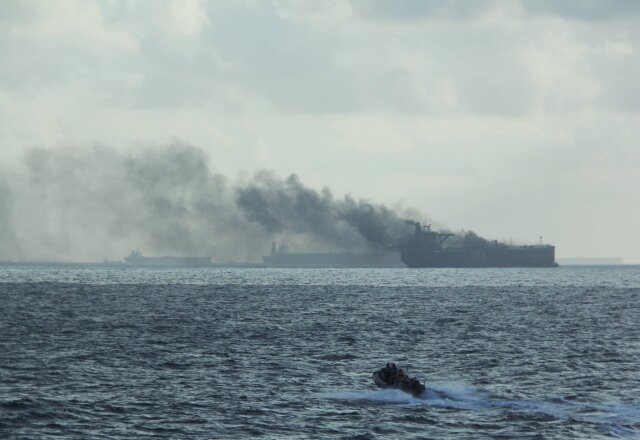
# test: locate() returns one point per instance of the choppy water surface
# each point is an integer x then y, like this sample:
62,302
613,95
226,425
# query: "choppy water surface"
239,353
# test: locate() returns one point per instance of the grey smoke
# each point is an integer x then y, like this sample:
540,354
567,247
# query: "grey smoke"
468,239
99,202
288,206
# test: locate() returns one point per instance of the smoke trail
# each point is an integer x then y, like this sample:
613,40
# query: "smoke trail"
98,202
7,238
467,239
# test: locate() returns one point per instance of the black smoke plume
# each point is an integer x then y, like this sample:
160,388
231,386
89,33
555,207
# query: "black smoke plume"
282,206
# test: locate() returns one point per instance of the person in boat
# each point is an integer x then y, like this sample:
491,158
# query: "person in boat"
391,373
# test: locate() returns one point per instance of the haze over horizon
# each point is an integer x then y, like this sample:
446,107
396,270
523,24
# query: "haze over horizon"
175,126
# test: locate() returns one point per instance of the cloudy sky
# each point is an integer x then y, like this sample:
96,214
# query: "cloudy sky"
516,119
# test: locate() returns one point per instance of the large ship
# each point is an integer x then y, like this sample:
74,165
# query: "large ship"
136,258
426,249
281,257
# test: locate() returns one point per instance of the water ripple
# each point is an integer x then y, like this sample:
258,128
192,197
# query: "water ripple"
286,360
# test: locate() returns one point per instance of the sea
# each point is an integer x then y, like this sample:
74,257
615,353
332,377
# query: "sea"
93,352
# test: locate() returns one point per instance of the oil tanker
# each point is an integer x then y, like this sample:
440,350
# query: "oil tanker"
281,257
136,258
426,249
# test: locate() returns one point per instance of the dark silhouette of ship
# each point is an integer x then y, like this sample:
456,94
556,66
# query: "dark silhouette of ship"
281,257
426,249
136,258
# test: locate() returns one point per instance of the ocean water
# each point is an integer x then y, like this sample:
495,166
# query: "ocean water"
96,352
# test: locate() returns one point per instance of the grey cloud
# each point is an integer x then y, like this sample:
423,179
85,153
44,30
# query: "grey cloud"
411,10
178,73
620,88
623,98
588,10
19,11
499,94
281,62
275,61
170,90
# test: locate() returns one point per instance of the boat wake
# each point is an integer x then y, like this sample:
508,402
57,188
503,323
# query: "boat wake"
614,419
446,396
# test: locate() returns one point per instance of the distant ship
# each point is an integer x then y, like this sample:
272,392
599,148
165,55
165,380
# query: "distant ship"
136,258
281,257
425,249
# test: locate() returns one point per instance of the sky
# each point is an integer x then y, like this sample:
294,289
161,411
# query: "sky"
136,123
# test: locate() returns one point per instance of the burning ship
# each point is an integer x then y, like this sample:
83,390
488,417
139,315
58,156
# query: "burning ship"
425,249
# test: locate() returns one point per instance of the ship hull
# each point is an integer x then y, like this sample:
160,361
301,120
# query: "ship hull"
333,260
521,256
168,261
